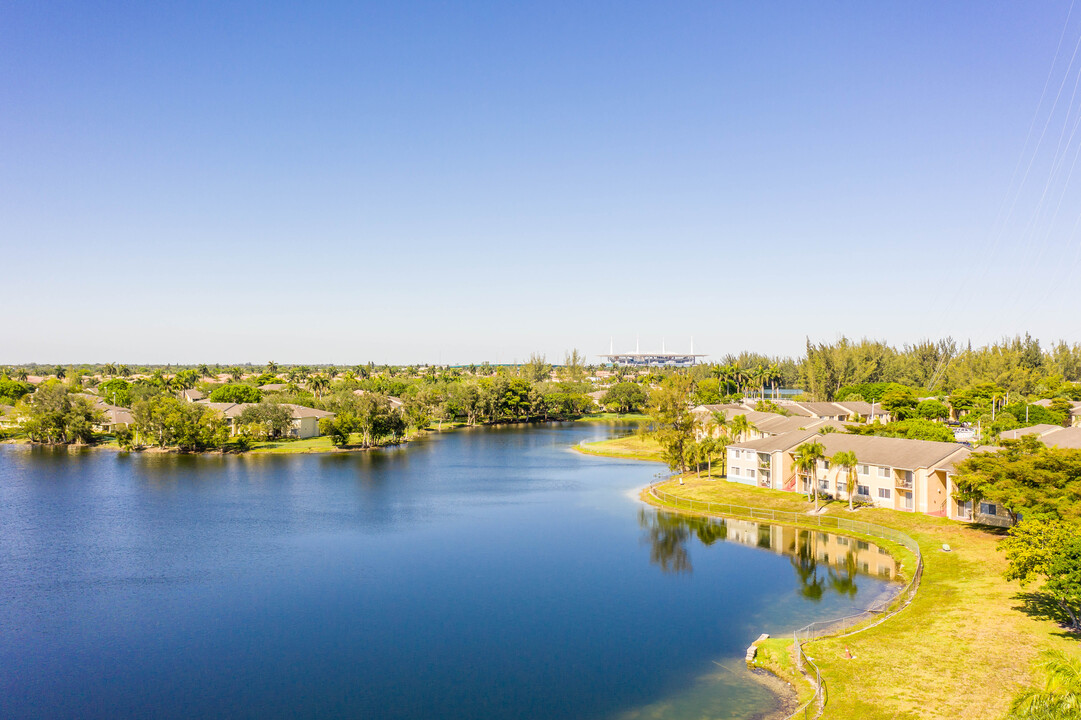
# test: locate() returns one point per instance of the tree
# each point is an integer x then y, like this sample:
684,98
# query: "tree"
574,366
847,460
740,427
912,429
932,410
116,392
1041,548
806,461
900,404
1023,477
318,384
235,393
672,420
537,369
625,397
56,416
266,419
172,423
11,391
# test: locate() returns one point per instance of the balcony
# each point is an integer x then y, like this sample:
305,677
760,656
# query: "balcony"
903,479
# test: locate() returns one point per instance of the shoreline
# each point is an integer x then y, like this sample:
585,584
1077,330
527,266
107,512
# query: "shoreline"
285,447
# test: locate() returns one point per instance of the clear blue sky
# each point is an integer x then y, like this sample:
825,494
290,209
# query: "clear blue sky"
456,182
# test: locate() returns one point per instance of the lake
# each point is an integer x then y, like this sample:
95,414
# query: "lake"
489,573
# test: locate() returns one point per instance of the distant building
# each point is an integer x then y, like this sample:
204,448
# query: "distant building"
651,359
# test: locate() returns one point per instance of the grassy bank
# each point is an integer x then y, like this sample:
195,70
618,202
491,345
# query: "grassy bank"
963,648
631,447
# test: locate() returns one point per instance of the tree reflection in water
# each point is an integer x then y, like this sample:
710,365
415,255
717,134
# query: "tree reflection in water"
667,535
822,561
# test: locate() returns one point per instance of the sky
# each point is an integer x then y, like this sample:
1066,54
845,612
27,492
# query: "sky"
455,182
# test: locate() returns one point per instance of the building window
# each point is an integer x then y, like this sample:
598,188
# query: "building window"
823,484
842,540
964,508
883,472
863,545
841,486
908,501
988,509
884,493
750,472
865,470
735,470
863,490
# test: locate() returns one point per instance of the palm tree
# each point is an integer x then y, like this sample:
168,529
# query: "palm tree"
720,420
272,367
204,371
773,376
847,460
318,384
1060,696
60,372
21,375
741,426
807,456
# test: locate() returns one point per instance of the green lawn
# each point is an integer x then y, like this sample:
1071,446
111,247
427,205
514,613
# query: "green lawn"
962,649
630,447
610,417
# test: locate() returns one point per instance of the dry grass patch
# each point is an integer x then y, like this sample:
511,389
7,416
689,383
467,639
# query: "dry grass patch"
631,447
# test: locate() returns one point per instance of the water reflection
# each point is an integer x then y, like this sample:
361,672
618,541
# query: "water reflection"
822,561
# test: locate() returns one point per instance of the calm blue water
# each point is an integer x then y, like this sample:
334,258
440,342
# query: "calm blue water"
477,574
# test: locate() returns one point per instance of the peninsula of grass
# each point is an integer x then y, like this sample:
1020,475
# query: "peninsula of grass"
631,447
965,645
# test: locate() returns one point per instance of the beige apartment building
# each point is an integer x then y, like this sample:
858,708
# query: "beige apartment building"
895,473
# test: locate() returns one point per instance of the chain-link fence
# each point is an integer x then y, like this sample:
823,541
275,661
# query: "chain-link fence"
838,627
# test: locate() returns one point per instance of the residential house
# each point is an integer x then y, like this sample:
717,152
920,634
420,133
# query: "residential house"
1075,411
192,395
305,420
1037,430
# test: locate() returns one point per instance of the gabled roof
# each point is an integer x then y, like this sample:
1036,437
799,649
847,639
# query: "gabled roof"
861,407
775,443
890,451
299,411
1064,438
819,409
193,395
1041,430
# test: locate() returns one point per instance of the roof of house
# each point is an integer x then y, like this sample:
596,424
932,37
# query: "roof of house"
227,409
890,451
861,407
193,395
869,449
299,411
1063,438
778,424
1041,429
820,409
776,443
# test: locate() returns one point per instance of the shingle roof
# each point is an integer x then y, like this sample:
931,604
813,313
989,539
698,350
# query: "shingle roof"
893,452
299,411
1064,438
774,443
870,449
860,407
1041,429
